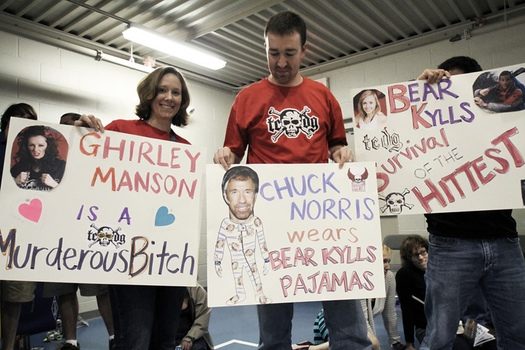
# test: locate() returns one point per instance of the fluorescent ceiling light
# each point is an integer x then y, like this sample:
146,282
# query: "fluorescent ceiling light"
126,63
161,43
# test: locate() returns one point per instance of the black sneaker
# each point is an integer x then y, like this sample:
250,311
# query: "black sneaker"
398,346
68,346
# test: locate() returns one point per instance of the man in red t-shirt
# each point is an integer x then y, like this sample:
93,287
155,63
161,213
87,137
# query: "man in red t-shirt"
288,118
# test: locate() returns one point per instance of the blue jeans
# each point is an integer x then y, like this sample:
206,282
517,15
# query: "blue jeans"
457,268
146,317
344,319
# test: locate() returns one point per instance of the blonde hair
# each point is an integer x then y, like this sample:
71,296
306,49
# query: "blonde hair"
364,95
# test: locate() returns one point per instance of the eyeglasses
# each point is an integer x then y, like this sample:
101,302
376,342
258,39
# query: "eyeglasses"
422,252
387,261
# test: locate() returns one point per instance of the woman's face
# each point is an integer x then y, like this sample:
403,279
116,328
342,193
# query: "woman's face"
37,146
369,104
168,100
387,259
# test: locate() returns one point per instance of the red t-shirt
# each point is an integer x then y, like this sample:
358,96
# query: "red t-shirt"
142,128
285,124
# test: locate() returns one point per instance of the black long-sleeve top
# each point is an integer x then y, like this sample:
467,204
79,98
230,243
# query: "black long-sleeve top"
410,281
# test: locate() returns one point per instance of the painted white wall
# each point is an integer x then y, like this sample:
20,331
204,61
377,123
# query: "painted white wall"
56,81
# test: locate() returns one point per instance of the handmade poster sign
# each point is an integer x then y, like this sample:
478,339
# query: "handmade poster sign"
285,233
110,208
457,145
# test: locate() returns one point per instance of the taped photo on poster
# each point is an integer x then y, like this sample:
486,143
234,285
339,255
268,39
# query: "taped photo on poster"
456,145
297,232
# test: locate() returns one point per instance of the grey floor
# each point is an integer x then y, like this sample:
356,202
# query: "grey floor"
232,328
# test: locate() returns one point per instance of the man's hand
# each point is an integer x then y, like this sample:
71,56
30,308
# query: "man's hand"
225,157
433,75
90,121
479,102
341,155
186,343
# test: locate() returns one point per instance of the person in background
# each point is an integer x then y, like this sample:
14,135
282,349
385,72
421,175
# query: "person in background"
146,317
261,120
192,333
410,287
384,306
13,293
472,252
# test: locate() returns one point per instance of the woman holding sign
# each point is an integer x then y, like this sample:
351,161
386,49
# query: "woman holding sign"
146,317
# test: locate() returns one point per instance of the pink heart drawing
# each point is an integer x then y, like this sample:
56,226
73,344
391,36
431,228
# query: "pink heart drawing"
31,211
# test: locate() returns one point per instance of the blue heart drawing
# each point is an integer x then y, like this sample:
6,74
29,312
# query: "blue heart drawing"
163,217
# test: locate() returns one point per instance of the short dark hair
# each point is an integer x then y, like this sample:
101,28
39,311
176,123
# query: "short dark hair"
284,23
240,172
69,118
22,110
463,63
505,73
408,245
148,90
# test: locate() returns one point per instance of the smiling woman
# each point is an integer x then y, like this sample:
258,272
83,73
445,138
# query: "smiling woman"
164,98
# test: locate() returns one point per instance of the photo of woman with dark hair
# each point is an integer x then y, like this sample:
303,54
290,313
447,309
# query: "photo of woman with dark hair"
37,163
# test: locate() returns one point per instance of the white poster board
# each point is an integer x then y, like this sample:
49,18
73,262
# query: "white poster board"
310,232
457,145
124,209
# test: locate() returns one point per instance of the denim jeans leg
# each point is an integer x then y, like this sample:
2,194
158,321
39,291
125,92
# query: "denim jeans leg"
167,311
346,325
134,314
453,275
275,326
504,289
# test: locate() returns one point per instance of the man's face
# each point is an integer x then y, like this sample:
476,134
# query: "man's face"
504,81
420,257
284,54
240,196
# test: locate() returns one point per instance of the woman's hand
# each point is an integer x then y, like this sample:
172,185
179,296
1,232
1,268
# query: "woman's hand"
21,178
48,180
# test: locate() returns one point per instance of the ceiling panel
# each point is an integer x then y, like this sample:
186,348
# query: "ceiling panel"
340,31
